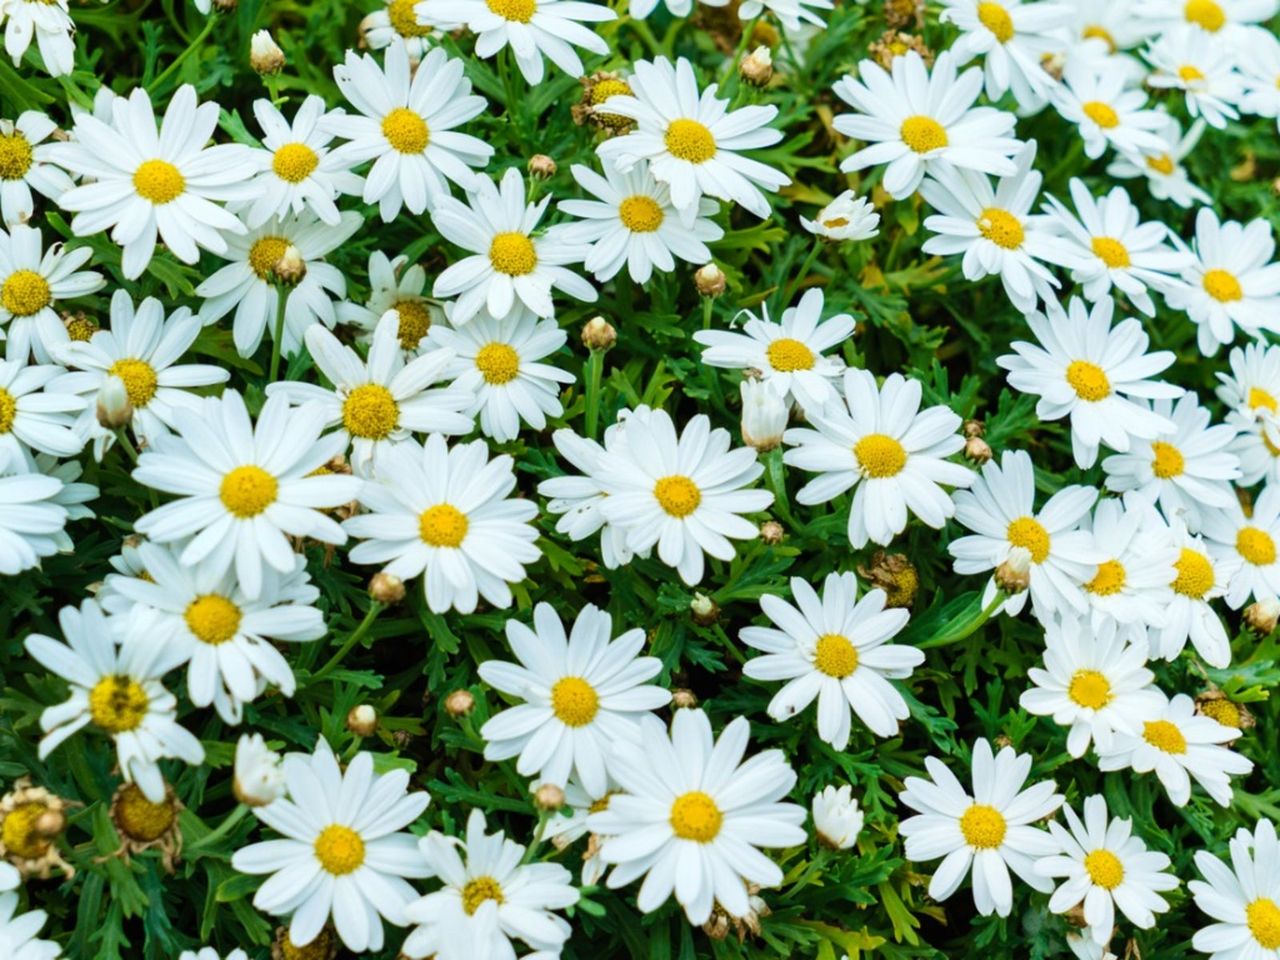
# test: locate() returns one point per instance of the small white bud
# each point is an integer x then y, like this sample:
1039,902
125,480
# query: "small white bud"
114,409
847,217
764,415
259,779
836,817
265,55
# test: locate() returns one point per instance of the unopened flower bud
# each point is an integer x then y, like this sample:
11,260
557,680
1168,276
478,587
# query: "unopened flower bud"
114,409
541,166
259,778
386,588
265,55
1014,575
705,611
977,450
51,823
362,720
836,817
548,797
225,6
757,67
291,268
764,415
771,532
683,699
1262,615
710,280
974,428
459,703
598,334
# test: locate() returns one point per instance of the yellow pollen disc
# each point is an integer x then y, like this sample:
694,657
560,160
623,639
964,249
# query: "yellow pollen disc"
1111,252
689,140
640,214
695,816
996,19
574,701
1256,546
513,254
405,131
139,378
1162,164
835,223
15,156
1108,580
498,363
117,704
339,849
141,820
611,87
1163,735
1089,688
247,491
81,329
521,11
158,181
265,254
1088,380
1195,574
477,891
983,827
835,656
1001,227
1189,74
370,412
1105,869
923,134
1167,460
1263,918
19,834
1222,710
415,321
1222,286
1097,32
787,355
678,496
294,162
1206,14
601,804
1030,534
1101,113
404,20
213,619
880,455
25,292
1259,398
443,525
8,410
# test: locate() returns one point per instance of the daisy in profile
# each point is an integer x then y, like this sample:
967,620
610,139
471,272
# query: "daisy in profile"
1259,66
148,182
406,126
25,166
395,286
1000,510
343,852
1094,681
1131,586
1248,541
32,521
988,832
1095,375
1106,868
682,493
1242,896
632,223
1186,472
694,815
1105,111
847,217
1014,39
1115,251
834,648
49,24
397,22
1162,168
1251,391
1190,60
581,693
18,931
244,489
1180,745
789,352
33,282
447,513
913,119
877,440
34,417
692,140
507,263
489,899
118,689
376,403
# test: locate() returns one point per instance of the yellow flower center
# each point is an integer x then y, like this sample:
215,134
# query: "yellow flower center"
139,378
8,410
835,656
996,19
1088,380
477,891
15,156
1222,710
677,495
1089,688
1167,460
1096,31
695,816
521,11
603,803
1109,579
1263,917
321,948
880,455
443,525
1259,398
405,131
640,214
404,20
923,134
118,703
787,355
983,827
1206,14
607,88
415,321
294,162
513,253
1030,534
1105,869
1101,113
248,490
689,140
574,701
1222,286
1111,252
370,412
1195,574
213,618
141,820
265,254
1001,227
158,181
1189,74
498,363
1165,736
339,849
25,292
81,329
19,834
1256,546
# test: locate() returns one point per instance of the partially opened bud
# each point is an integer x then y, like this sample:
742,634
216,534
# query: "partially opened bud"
710,280
459,703
977,450
548,797
1014,575
598,334
764,415
705,611
386,588
265,55
362,720
114,409
771,532
259,778
683,699
757,67
541,166
1261,617
291,268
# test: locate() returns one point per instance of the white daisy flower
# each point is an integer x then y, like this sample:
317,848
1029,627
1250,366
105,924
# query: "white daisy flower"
1179,744
487,900
570,824
1084,947
1243,898
1109,23
1094,375
1251,391
497,363
376,403
847,217
989,830
693,140
146,183
1014,39
32,520
683,494
25,166
788,353
1259,66
1251,540
49,24
1166,177
1000,509
1132,586
343,851
507,263
633,223
392,287
1232,281
1219,17
834,648
1094,681
1105,111
581,693
118,690
878,440
1257,446
836,818
1186,472
18,931
694,815
208,953
913,119
407,128
247,283
792,14
33,416
244,489
1188,59
397,22
1105,867
445,511
32,284
1200,578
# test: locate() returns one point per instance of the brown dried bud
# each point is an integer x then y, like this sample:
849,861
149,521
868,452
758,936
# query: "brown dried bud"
757,67
459,703
771,532
977,450
892,44
895,575
683,699
386,588
899,13
542,167
598,334
974,428
710,280
1261,616
1014,575
265,55
705,611
362,720
548,797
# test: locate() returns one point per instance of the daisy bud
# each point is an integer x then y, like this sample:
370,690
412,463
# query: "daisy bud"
771,532
895,575
977,450
362,720
114,409
459,703
225,6
1014,575
764,415
51,823
710,280
265,55
598,334
836,817
548,797
683,699
290,269
259,779
705,610
757,67
717,925
847,217
974,428
542,167
386,588
899,13
1261,616
80,326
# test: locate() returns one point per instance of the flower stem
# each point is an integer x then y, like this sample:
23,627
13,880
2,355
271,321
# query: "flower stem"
283,294
803,272
356,636
965,630
191,47
225,827
595,368
543,819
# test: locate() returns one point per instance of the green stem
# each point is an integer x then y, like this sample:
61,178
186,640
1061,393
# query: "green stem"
707,304
543,819
803,272
226,826
595,369
125,442
641,29
199,39
731,75
283,295
506,74
970,629
356,636
777,483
